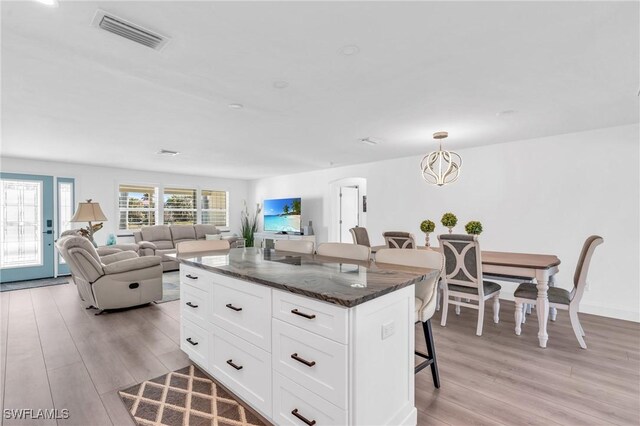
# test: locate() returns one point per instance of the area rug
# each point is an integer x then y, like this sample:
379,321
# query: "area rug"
185,397
21,285
170,286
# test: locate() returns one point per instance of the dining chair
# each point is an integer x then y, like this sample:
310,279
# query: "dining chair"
463,278
294,246
360,236
559,298
197,246
399,240
345,251
425,296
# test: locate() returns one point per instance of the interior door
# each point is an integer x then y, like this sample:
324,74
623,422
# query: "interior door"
349,212
26,219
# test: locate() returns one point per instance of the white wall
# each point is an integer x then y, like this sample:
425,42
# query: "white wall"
539,196
101,185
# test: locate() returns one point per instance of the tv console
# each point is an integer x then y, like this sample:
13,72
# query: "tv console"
261,238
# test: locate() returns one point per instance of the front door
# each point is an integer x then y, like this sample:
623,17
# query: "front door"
26,237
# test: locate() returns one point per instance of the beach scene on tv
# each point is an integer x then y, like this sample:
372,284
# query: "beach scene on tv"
282,215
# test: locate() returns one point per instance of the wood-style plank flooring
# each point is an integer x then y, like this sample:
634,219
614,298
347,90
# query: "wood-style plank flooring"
55,354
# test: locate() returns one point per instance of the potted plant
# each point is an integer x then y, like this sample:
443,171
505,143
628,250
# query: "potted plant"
427,226
473,228
249,224
449,220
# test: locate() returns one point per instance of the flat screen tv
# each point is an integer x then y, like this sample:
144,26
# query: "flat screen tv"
282,215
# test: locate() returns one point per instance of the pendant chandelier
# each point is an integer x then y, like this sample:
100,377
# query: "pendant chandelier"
441,167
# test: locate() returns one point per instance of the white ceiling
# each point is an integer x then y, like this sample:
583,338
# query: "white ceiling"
72,92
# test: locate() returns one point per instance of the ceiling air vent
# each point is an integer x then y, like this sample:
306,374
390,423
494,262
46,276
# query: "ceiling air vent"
129,30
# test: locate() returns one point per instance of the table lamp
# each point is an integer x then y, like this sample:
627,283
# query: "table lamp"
89,212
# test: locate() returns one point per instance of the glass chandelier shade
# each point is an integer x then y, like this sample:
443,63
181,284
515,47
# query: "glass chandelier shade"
441,167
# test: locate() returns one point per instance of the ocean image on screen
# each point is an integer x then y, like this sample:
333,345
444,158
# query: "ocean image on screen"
282,215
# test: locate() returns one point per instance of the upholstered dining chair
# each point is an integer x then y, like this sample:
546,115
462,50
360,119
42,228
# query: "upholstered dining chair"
463,278
198,246
399,240
360,236
425,300
345,251
294,246
559,298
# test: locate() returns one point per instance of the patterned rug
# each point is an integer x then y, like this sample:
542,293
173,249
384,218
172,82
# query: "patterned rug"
185,397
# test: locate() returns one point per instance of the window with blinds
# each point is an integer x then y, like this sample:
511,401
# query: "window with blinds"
137,206
214,207
180,206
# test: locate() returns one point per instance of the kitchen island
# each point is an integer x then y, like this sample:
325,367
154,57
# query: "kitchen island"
303,339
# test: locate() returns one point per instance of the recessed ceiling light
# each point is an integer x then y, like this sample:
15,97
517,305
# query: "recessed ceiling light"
236,106
50,3
370,141
167,152
506,112
280,84
349,50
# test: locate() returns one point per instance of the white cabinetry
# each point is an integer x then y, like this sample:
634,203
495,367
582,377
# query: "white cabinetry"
298,360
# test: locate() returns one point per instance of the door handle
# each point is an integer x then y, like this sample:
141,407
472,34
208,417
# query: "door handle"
49,232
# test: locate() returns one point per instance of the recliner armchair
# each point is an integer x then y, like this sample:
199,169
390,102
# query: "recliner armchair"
118,280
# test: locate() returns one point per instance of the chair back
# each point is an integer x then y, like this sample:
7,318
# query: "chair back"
360,236
399,240
463,263
198,246
81,256
344,251
582,268
294,246
425,290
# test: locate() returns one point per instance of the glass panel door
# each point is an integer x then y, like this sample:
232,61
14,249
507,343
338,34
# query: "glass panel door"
66,208
26,221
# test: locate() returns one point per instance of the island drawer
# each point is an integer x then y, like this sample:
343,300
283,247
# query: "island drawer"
315,362
194,303
293,404
194,340
196,277
327,320
243,368
243,309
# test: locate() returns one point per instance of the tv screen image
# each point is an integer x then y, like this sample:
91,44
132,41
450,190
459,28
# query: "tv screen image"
282,215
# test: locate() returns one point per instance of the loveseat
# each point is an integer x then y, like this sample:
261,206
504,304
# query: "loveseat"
159,240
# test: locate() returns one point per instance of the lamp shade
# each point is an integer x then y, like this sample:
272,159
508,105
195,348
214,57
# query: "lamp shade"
88,212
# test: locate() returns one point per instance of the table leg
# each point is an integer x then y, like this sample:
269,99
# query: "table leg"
542,307
552,311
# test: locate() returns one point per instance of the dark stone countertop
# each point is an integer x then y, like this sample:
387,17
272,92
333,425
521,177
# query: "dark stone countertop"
340,281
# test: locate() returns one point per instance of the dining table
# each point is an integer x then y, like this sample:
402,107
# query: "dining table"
511,266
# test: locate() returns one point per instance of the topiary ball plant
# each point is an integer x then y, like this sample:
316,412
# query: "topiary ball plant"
449,220
473,228
427,226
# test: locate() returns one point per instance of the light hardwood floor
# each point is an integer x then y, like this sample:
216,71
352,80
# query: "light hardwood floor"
56,354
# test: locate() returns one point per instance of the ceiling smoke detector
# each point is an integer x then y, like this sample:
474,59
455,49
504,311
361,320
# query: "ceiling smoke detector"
127,29
167,152
349,50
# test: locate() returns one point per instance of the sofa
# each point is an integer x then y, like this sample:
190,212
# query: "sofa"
113,281
159,240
